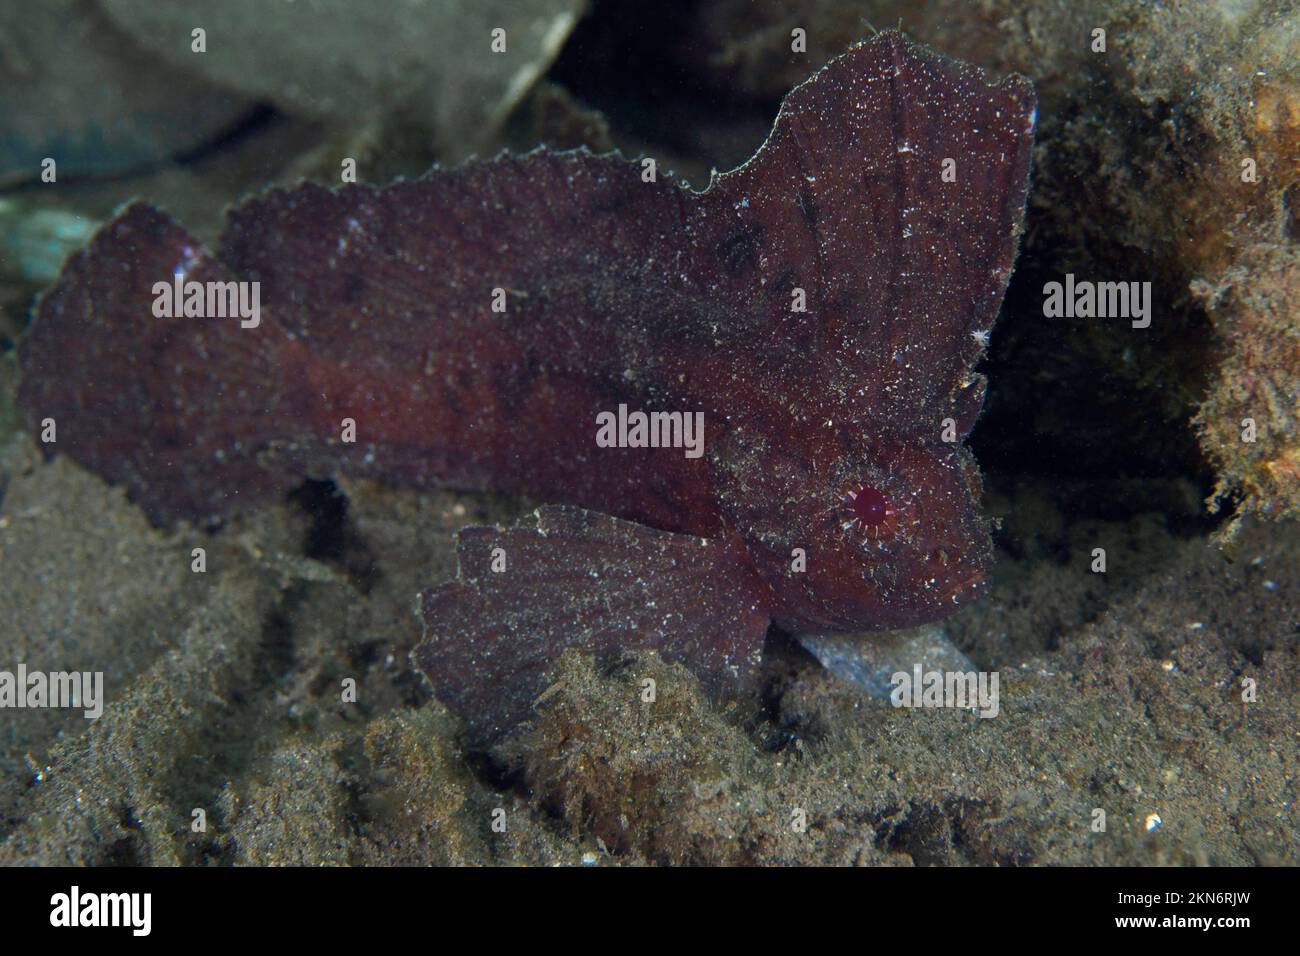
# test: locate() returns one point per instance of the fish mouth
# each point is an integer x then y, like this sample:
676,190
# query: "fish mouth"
968,589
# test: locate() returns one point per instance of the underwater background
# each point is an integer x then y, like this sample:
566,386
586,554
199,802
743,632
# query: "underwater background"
1161,690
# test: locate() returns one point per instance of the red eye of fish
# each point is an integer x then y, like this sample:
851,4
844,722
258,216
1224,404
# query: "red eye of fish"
869,506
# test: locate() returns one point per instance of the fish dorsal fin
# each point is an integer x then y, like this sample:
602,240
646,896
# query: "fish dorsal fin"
890,193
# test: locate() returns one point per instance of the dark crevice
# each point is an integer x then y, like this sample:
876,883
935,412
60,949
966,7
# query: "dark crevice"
331,537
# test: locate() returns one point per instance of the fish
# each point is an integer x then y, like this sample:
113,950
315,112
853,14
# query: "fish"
552,325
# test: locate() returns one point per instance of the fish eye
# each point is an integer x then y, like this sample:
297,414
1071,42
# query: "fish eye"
868,506
881,517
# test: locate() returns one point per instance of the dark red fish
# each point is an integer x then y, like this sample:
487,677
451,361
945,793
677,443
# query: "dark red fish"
833,492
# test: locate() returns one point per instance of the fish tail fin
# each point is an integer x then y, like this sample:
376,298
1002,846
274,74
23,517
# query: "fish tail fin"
175,408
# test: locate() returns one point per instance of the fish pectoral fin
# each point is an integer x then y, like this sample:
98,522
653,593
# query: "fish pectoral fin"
576,578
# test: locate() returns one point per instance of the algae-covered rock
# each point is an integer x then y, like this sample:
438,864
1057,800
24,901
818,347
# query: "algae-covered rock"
85,585
1250,421
432,61
76,90
293,813
125,790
